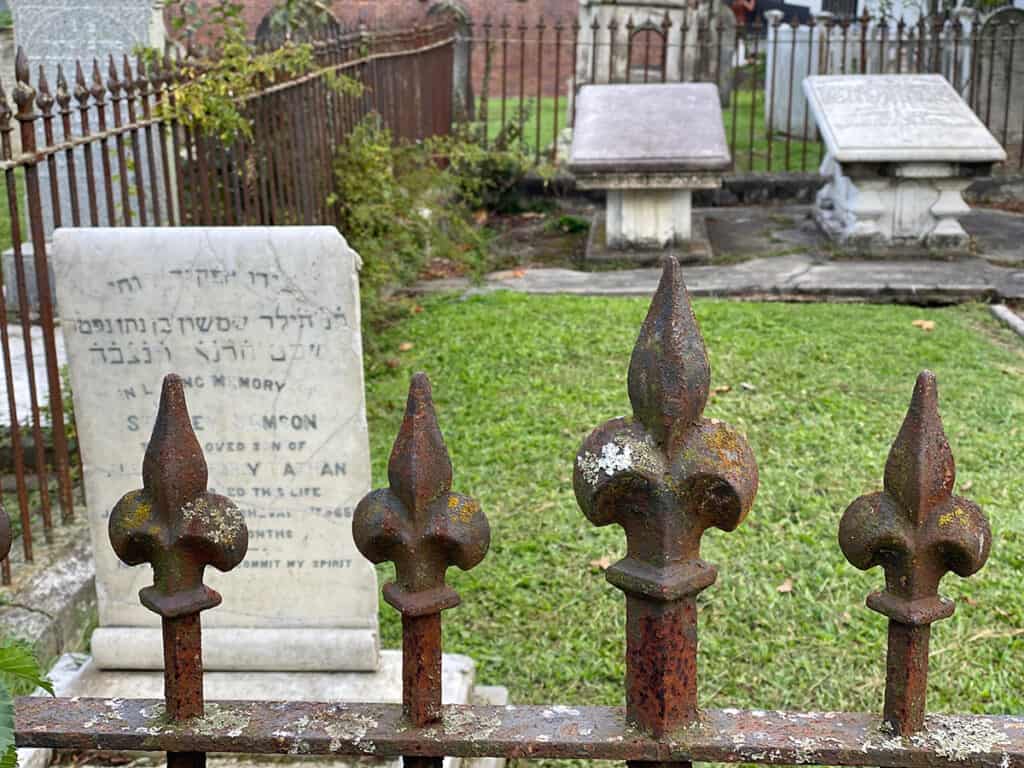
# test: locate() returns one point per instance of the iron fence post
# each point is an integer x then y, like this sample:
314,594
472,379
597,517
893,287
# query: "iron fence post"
24,96
177,526
421,526
916,529
665,476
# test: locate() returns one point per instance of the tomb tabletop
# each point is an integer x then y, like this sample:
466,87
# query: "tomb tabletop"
898,118
637,128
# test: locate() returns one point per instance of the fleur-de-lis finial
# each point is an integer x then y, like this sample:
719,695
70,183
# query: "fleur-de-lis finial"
97,88
113,81
44,99
63,91
24,94
665,476
423,528
173,522
6,536
6,113
177,526
129,76
417,522
917,530
82,93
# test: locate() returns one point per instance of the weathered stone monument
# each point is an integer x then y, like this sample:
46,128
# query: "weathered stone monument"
701,39
59,33
649,146
263,325
900,151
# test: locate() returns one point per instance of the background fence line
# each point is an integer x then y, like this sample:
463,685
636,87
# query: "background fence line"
525,73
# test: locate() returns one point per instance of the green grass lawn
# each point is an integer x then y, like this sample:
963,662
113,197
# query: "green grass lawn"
748,155
519,381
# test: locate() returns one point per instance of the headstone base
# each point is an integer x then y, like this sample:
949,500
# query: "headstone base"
696,250
75,675
647,218
230,649
893,204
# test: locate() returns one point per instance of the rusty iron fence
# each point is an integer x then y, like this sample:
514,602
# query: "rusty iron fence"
95,147
665,475
525,73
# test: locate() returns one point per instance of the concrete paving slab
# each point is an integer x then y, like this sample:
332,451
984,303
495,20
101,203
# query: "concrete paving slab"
785,277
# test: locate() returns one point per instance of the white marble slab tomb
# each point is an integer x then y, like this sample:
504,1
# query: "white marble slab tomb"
900,151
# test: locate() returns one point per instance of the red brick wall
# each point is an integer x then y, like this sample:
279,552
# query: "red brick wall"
400,12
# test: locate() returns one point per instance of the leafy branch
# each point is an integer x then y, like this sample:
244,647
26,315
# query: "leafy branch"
220,76
20,671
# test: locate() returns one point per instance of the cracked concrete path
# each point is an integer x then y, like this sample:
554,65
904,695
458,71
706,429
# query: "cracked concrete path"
797,277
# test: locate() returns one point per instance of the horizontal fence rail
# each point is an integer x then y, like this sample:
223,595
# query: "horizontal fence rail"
525,72
665,475
96,147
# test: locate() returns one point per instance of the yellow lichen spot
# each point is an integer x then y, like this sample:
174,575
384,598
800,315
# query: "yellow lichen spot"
462,510
955,515
138,516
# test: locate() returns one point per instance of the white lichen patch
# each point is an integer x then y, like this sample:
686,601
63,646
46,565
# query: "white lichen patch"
803,750
156,712
882,738
624,453
614,458
465,722
559,710
342,726
219,720
956,737
224,526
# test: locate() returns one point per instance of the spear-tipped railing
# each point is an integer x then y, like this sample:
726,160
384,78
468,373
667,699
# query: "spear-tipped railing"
665,475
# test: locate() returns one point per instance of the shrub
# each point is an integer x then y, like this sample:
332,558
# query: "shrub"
398,209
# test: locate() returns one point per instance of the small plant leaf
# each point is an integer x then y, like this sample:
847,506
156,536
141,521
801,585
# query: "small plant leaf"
18,663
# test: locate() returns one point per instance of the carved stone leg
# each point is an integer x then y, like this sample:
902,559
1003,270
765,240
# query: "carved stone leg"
864,208
947,231
849,208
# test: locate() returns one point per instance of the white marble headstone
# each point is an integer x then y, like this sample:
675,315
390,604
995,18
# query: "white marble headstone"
263,325
897,118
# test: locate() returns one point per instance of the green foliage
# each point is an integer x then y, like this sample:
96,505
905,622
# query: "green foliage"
19,674
6,20
229,70
299,18
570,224
399,208
488,177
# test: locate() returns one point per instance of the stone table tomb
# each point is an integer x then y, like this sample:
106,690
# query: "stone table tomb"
900,151
649,146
